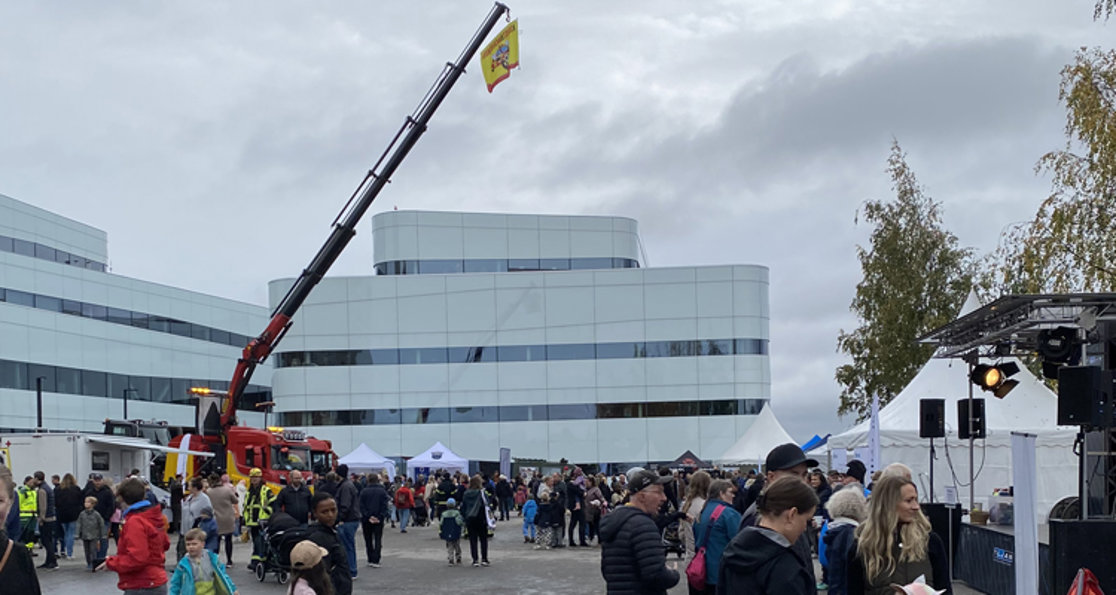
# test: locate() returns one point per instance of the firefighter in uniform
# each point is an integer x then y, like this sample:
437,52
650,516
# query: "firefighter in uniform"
28,511
257,509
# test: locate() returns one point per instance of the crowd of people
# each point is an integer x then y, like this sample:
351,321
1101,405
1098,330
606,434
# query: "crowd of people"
740,531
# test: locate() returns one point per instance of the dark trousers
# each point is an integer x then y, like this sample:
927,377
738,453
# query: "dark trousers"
46,529
577,519
373,540
505,508
90,546
228,539
258,544
478,532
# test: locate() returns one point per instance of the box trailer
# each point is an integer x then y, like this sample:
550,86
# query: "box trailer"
114,457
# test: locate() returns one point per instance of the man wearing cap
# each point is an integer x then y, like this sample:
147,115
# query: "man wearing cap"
257,509
784,460
633,559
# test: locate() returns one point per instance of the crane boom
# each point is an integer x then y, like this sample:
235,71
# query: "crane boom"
344,226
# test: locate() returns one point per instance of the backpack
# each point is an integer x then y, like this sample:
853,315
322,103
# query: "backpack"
451,527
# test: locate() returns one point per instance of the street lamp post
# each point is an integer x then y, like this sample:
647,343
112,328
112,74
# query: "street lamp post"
267,405
126,391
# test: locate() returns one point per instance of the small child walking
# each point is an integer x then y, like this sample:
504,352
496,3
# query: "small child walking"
91,530
200,570
452,523
529,511
542,521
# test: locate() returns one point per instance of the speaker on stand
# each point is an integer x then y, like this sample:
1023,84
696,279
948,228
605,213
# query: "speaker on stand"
931,424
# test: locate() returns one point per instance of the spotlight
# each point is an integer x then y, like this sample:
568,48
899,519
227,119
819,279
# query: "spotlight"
1057,347
994,379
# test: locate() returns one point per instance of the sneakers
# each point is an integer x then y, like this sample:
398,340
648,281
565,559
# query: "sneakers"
476,565
50,567
821,586
484,563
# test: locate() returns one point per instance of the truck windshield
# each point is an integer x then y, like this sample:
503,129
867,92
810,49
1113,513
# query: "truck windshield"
320,462
156,435
289,458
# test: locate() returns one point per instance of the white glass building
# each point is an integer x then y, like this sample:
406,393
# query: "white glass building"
544,334
91,336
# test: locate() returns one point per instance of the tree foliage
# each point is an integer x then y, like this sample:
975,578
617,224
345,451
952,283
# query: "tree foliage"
1070,245
1104,8
915,279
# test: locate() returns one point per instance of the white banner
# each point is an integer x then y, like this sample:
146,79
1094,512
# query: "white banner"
840,459
180,468
505,462
1023,475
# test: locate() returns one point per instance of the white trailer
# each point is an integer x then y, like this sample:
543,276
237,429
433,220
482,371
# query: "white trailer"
114,457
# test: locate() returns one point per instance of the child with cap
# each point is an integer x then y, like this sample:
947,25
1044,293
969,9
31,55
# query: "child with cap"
208,524
308,573
452,523
200,571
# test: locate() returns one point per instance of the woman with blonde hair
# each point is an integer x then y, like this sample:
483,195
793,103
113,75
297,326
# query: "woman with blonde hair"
696,494
894,545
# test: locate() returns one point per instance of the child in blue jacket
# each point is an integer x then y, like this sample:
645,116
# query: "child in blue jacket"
530,509
200,571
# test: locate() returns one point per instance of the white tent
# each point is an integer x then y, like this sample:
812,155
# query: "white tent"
1031,407
437,457
364,460
764,434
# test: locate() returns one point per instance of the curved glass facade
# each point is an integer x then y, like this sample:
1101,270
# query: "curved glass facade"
521,353
500,265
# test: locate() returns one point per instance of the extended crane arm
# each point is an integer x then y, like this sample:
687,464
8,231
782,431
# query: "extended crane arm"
344,226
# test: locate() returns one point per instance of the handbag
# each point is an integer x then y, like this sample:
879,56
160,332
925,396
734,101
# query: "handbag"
695,570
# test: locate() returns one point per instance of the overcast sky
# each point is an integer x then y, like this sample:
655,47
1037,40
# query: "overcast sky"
215,143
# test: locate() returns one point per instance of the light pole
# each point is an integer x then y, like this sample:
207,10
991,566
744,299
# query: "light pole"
267,405
126,391
39,402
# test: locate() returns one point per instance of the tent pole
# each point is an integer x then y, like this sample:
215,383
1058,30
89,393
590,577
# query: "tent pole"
972,481
932,469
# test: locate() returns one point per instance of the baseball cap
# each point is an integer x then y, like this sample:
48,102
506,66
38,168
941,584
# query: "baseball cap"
786,456
645,479
451,502
306,554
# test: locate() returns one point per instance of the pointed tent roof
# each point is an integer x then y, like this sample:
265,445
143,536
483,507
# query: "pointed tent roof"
437,457
689,459
364,459
1031,406
764,434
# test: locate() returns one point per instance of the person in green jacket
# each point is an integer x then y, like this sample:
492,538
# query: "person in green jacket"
200,571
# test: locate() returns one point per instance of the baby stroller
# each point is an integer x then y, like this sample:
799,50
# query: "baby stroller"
281,534
419,516
672,539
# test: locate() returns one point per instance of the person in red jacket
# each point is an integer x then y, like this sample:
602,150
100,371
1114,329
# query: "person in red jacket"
404,502
141,551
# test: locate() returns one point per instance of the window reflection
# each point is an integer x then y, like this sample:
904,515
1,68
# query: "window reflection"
499,265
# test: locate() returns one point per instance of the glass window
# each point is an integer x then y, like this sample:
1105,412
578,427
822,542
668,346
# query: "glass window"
67,380
36,371
142,384
14,375
716,347
71,307
119,316
619,410
23,247
161,390
22,298
486,265
442,267
538,413
590,263
380,268
751,347
619,350
180,328
425,415
158,323
94,311
141,320
407,267
45,302
62,256
116,385
407,356
554,264
573,411
521,353
382,357
180,391
514,413
199,332
44,252
94,383
94,265
237,340
219,336
624,263
463,355
523,264
3,295
432,355
473,414
6,244
386,417
672,409
566,351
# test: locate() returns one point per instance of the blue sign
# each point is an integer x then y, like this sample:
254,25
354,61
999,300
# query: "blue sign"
1005,557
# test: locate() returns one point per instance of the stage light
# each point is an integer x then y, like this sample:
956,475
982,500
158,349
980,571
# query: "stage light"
1057,347
994,379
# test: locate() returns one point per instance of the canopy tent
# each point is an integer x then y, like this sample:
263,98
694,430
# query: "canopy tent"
1031,407
364,460
689,460
764,434
437,457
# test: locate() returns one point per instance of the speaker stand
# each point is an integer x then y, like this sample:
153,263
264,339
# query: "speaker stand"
932,470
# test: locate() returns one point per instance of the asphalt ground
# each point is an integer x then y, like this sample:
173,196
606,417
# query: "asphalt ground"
412,562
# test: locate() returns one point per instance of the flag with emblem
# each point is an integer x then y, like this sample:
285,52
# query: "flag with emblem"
501,55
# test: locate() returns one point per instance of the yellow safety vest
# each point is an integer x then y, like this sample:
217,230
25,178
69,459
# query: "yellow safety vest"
257,505
28,502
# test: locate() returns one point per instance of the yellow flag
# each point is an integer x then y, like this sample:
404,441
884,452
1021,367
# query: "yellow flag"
501,55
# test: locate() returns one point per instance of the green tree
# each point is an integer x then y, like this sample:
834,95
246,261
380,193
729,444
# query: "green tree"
1104,8
1070,245
915,279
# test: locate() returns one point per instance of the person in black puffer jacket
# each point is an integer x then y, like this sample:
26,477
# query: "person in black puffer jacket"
633,559
762,560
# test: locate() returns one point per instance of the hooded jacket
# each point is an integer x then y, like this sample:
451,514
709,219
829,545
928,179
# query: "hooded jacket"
633,559
838,539
182,581
759,561
141,550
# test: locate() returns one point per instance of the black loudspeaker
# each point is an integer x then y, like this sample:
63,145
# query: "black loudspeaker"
1082,544
963,419
931,418
1084,396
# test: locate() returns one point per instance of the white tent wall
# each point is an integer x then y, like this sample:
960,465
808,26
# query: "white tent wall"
764,434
